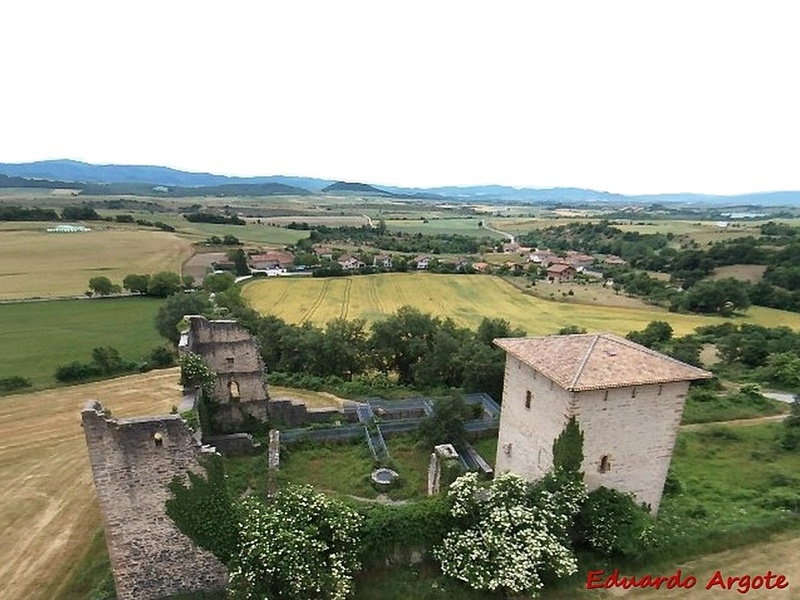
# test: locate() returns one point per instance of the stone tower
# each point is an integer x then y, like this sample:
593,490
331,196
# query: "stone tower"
133,461
230,351
627,399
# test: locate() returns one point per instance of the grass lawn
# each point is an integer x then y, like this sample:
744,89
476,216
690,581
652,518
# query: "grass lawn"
37,264
467,299
40,336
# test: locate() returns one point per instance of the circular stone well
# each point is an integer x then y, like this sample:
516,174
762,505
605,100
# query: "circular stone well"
384,477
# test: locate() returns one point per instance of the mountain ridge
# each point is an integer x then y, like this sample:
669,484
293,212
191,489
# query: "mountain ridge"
98,175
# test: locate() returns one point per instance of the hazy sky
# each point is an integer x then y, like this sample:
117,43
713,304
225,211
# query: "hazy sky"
632,97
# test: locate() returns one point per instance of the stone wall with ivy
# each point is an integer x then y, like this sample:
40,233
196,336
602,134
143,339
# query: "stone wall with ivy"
133,461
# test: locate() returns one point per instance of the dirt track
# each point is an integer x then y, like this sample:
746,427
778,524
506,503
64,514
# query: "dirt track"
48,507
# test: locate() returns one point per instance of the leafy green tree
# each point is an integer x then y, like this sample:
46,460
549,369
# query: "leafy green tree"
344,347
783,369
102,286
402,340
231,240
136,284
654,335
164,284
239,260
178,306
790,437
446,424
218,282
611,523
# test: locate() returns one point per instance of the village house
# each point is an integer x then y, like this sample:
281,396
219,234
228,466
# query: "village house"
382,260
627,399
578,259
323,252
560,273
613,260
422,262
351,262
481,267
543,257
273,259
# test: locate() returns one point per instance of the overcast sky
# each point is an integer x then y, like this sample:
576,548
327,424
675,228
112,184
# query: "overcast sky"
629,97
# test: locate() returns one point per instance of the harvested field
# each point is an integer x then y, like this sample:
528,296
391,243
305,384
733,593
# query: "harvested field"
48,505
37,264
330,221
751,273
466,299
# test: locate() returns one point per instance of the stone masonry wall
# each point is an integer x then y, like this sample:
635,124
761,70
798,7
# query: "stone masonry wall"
526,436
133,461
634,430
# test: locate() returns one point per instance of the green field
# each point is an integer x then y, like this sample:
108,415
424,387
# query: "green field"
467,299
40,336
441,226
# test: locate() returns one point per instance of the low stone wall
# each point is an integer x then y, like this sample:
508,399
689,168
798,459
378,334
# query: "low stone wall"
234,444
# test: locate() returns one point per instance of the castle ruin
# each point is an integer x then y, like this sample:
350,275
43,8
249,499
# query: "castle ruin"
240,391
133,461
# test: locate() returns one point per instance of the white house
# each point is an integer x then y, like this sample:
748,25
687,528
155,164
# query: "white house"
627,399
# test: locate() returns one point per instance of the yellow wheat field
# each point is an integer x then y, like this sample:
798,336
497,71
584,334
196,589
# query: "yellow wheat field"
467,299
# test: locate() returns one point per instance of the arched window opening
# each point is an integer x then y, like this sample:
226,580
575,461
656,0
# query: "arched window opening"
233,390
528,397
605,464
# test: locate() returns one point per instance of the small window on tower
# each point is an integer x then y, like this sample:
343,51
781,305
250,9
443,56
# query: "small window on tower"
605,464
528,397
229,360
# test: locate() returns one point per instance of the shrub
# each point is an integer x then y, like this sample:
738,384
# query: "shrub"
15,382
612,524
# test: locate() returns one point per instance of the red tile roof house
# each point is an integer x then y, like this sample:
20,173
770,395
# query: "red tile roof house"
560,273
323,252
422,262
350,262
272,260
382,260
543,257
627,399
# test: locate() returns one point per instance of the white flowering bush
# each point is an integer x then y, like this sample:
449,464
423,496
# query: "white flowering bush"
298,545
509,534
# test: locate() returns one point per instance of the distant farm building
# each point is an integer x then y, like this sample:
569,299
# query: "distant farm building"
351,262
627,399
382,260
560,273
277,259
68,229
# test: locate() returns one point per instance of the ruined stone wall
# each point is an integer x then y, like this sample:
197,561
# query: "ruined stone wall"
232,353
133,461
634,430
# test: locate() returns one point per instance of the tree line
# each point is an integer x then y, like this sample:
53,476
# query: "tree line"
414,349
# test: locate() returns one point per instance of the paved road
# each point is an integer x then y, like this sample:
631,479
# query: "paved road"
780,396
